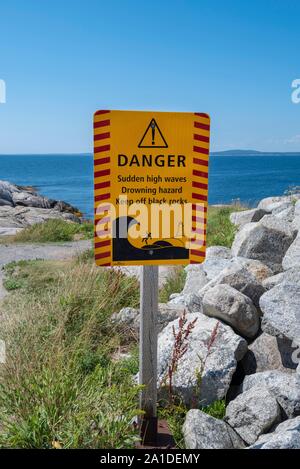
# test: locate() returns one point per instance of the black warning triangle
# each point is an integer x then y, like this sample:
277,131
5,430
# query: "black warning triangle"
153,138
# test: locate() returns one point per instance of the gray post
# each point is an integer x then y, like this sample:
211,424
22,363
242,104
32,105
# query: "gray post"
148,352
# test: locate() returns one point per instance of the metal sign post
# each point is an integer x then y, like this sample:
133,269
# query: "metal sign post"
148,352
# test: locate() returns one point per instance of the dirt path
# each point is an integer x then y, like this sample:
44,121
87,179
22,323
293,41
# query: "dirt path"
17,252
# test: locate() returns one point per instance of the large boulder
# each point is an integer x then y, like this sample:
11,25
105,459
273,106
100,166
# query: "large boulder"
201,431
292,255
269,204
241,275
252,413
234,308
130,317
281,311
283,386
269,353
267,241
288,276
285,436
213,266
215,361
218,251
191,302
247,216
195,279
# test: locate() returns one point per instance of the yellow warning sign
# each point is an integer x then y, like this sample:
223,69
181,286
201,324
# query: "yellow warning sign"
151,184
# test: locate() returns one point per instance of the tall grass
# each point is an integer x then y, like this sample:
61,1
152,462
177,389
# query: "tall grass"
220,230
59,384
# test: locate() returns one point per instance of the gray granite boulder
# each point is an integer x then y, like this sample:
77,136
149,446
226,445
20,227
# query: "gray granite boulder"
240,275
281,311
269,204
216,362
269,353
284,387
218,251
285,436
292,255
190,302
266,240
296,223
130,317
247,216
252,413
201,431
195,279
213,266
225,303
288,276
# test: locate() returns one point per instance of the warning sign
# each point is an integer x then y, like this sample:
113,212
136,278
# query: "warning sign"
151,184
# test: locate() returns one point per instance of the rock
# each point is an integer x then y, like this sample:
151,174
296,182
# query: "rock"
21,207
297,208
213,266
225,303
258,269
191,302
269,204
289,276
269,353
285,387
219,363
195,279
240,275
21,217
292,256
130,317
218,251
247,216
252,413
266,240
281,311
296,223
286,215
201,431
285,436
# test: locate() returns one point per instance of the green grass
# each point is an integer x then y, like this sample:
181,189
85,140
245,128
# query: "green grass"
217,409
174,284
175,415
60,385
54,231
220,230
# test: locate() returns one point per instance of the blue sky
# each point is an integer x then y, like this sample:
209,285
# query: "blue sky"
62,60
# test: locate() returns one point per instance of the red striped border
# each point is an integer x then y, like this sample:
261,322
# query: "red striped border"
103,247
200,186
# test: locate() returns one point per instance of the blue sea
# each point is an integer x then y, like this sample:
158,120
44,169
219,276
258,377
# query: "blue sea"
70,177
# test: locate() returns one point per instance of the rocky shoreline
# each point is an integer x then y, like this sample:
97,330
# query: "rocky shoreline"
244,307
24,206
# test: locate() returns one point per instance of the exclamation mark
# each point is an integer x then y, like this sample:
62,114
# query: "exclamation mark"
153,132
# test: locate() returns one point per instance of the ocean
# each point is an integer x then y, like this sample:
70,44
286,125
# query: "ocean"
70,177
